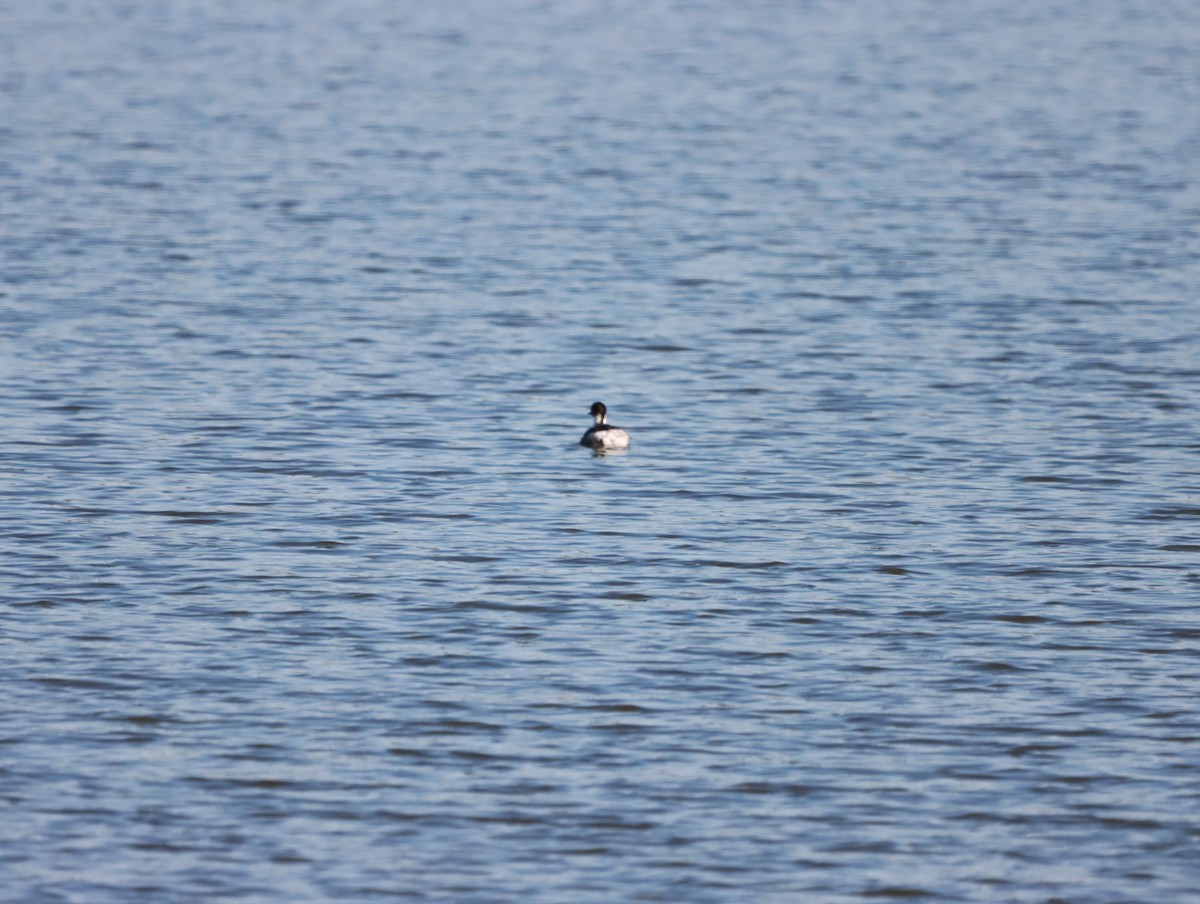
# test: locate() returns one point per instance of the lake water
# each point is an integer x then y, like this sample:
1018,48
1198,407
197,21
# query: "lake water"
310,594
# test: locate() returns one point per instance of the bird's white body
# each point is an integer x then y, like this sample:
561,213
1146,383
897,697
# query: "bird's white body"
605,437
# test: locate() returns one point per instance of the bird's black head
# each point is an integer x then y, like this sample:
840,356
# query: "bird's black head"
598,409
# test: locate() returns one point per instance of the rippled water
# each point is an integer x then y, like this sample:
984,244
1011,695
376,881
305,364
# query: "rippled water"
311,595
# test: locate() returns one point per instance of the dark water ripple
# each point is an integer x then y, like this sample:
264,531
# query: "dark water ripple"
310,595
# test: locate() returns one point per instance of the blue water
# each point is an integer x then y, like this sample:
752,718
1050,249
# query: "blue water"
310,594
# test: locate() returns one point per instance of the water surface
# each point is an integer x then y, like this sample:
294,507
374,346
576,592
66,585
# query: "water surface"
311,595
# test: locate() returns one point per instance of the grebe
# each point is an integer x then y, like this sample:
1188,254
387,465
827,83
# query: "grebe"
603,436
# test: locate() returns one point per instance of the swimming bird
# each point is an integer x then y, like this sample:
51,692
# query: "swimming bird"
603,436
